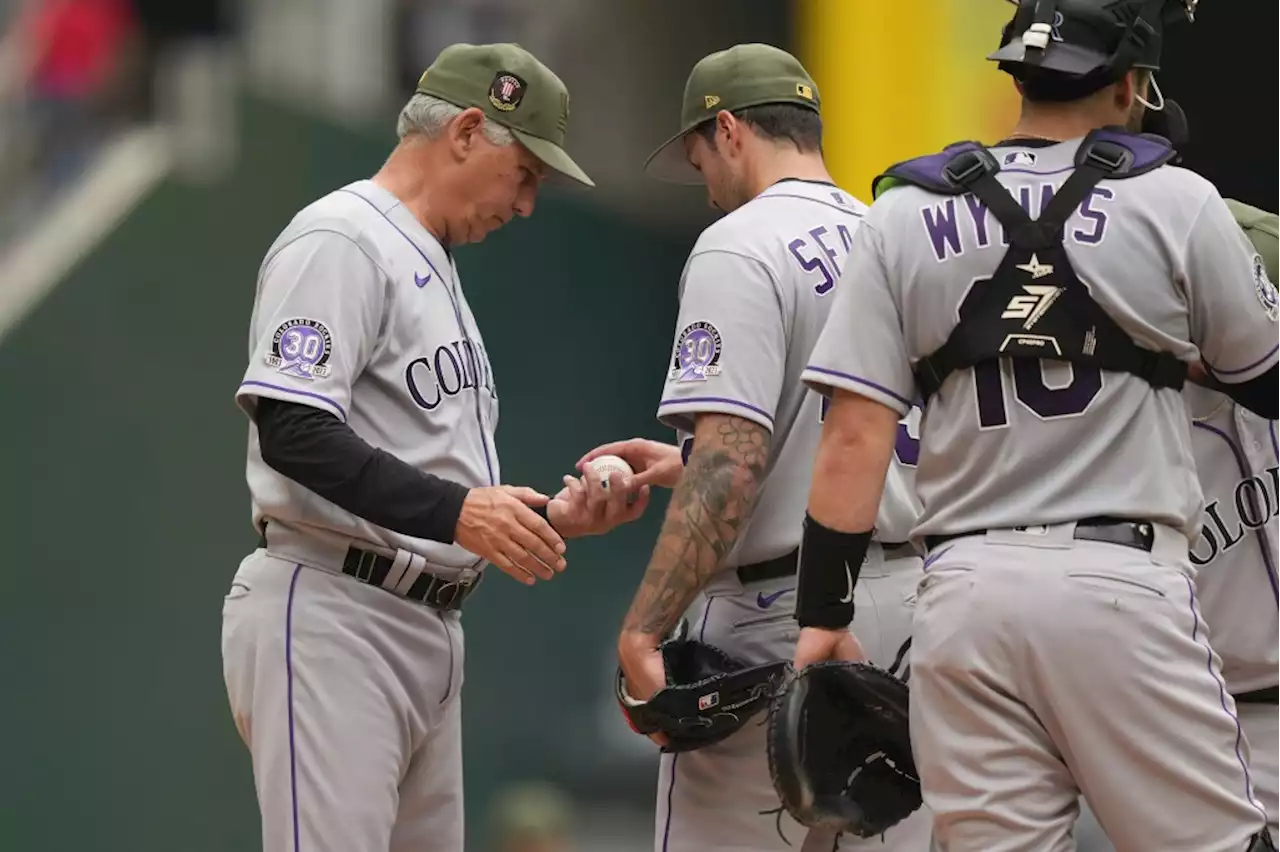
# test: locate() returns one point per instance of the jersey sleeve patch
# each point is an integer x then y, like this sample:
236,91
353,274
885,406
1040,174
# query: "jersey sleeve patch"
301,348
697,353
1264,286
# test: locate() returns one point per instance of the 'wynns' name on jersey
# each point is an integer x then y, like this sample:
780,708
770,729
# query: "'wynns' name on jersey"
954,225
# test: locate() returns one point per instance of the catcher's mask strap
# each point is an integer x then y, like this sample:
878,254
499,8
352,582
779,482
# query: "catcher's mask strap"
1159,105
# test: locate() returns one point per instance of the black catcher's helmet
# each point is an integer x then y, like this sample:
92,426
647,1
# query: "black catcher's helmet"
1086,44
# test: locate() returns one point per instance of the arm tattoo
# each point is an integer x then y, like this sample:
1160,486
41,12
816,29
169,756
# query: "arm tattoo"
708,510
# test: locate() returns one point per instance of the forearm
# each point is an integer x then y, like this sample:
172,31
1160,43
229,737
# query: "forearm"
709,509
323,454
848,478
844,498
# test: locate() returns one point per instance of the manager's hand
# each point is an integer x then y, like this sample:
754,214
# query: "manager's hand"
586,507
497,524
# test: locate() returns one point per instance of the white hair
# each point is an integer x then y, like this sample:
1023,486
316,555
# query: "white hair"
429,116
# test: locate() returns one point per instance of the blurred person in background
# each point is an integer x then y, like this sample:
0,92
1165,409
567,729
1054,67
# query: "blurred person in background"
532,817
69,60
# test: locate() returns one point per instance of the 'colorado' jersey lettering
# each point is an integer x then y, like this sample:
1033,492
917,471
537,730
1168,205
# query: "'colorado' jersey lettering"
754,296
1235,553
359,313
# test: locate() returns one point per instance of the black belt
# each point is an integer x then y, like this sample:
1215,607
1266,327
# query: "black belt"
787,564
1136,534
1269,695
372,569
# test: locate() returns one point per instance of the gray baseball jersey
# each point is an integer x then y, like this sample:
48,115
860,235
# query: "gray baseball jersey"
1006,445
1235,554
359,312
754,296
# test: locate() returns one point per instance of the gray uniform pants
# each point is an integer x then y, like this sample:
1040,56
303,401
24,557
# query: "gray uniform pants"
1260,725
348,700
1044,668
720,798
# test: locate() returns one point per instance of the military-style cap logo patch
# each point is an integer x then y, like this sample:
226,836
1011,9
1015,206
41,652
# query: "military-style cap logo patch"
697,354
804,91
710,100
301,348
1266,289
506,91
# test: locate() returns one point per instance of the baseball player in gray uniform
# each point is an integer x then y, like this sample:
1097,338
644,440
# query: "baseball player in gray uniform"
373,472
754,295
1044,298
1235,553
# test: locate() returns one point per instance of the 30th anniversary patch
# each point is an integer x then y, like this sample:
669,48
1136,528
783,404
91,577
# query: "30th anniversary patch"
301,348
697,354
1265,287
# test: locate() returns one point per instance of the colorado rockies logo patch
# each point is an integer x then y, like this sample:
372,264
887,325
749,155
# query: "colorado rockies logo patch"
301,348
1266,289
697,354
506,91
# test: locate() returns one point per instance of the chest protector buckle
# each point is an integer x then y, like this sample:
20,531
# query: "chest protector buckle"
1035,306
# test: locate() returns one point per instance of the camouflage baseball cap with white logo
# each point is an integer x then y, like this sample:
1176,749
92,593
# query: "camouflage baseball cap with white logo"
514,90
745,75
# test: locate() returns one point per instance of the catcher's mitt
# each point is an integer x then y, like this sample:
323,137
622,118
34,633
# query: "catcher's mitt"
708,696
840,751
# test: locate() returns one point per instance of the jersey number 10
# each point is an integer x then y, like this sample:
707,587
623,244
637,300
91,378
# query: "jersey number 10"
1030,389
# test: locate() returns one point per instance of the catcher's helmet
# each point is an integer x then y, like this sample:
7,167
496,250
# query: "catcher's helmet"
1092,41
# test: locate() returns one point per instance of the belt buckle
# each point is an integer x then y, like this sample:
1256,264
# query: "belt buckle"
437,594
457,591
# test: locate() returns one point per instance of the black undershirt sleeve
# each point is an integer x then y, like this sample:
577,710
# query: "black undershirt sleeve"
321,453
1261,394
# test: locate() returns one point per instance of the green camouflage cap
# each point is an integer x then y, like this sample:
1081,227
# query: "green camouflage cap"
1263,230
514,90
745,75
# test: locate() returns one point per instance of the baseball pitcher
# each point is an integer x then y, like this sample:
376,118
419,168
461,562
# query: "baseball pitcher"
1044,297
754,295
373,471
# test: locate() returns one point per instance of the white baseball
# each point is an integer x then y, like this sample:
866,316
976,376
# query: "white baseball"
608,465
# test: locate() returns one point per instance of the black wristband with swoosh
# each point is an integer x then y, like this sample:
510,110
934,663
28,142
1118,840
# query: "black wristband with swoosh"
829,566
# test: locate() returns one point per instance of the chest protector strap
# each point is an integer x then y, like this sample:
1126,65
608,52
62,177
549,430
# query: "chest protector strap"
1035,306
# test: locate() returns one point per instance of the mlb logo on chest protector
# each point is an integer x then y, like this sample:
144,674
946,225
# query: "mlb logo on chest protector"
706,702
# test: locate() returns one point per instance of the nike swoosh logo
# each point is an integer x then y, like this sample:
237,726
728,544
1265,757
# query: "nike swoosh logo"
421,280
848,577
765,601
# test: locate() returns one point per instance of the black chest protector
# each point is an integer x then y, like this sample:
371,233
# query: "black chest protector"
1035,306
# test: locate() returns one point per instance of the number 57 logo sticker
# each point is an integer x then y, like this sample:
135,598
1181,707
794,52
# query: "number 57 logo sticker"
301,348
697,354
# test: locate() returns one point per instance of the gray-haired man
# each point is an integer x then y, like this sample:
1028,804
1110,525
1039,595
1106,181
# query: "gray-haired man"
373,471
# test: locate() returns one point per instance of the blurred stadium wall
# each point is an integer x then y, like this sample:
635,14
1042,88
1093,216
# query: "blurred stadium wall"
901,79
